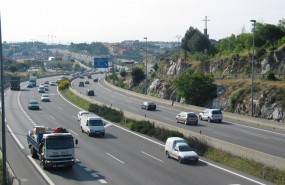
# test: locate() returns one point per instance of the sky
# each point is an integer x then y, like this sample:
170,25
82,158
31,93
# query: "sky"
79,21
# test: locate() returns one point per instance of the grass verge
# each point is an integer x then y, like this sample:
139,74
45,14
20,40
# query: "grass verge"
148,128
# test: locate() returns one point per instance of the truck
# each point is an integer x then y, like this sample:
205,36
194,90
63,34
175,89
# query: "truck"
15,83
54,147
33,79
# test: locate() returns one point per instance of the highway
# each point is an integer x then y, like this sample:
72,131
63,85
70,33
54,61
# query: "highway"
260,139
121,157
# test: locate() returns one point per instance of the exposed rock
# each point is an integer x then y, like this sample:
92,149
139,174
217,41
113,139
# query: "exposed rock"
277,114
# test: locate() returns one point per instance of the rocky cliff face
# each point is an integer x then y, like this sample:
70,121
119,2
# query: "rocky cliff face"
269,103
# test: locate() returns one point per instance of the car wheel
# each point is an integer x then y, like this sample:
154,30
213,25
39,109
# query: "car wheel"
220,121
185,122
180,160
167,154
103,134
209,120
177,121
82,130
200,118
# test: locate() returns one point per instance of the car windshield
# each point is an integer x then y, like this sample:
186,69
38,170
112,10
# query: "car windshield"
59,143
216,112
33,102
184,148
95,123
192,115
151,103
45,95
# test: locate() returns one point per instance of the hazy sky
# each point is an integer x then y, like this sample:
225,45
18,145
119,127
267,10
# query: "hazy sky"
117,20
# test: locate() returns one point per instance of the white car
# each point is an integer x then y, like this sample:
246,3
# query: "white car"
177,148
211,115
80,113
46,87
52,83
45,98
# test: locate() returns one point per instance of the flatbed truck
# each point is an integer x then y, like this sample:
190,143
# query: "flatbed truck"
54,147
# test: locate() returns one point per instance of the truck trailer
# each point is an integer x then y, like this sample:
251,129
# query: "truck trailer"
54,147
15,83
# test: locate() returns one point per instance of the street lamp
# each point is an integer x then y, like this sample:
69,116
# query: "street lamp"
252,70
145,64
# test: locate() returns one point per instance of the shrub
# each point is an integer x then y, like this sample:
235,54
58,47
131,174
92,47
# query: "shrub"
271,76
106,112
235,97
63,84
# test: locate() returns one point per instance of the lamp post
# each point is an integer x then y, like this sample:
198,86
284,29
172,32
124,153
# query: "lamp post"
252,70
145,64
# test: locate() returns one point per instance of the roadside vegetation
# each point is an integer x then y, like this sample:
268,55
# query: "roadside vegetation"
148,128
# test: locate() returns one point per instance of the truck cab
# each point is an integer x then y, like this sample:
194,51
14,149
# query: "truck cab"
54,147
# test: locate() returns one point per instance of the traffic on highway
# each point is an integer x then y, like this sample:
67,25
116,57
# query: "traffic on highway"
107,153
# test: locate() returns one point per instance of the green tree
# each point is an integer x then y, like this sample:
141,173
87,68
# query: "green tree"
137,75
281,24
76,67
195,87
267,33
195,41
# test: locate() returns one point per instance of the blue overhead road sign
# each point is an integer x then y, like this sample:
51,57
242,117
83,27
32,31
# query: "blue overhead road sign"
101,62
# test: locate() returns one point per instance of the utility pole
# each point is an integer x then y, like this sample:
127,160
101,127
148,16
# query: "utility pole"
252,65
145,65
206,30
4,159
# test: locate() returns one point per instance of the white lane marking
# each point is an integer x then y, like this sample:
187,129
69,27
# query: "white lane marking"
73,132
152,156
277,133
224,135
102,181
115,158
52,117
60,108
14,136
41,171
257,135
223,169
208,163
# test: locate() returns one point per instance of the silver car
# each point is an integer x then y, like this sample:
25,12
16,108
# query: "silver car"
211,115
187,118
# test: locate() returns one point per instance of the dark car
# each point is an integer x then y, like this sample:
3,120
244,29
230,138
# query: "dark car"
90,92
148,105
89,76
33,105
95,80
81,84
86,82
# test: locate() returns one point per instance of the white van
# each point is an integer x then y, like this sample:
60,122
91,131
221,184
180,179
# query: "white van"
178,148
92,125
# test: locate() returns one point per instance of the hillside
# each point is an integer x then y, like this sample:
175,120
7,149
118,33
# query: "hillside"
233,79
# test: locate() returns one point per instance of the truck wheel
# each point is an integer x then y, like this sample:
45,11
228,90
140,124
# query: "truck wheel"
167,154
34,153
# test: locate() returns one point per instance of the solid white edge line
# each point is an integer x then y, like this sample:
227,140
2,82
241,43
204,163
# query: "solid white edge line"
269,131
102,181
115,158
223,169
152,156
208,163
14,136
49,181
